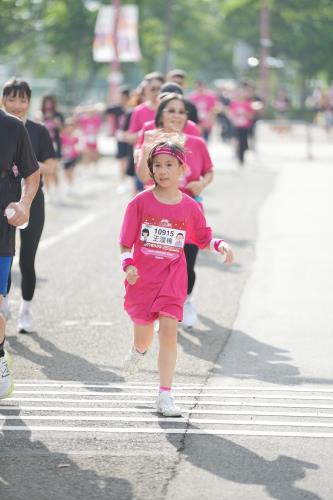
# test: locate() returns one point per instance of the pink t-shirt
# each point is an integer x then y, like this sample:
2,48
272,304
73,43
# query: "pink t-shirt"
205,103
90,126
190,128
69,146
197,159
141,114
241,113
158,232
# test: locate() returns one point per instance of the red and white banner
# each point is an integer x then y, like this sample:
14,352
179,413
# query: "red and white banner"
127,35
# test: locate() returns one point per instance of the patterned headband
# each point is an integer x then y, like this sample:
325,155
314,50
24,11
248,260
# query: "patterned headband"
169,150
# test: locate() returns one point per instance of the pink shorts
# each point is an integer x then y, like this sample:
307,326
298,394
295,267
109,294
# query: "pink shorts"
140,316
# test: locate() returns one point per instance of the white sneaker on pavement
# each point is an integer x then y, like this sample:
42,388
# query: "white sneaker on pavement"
25,322
166,405
190,316
133,362
6,377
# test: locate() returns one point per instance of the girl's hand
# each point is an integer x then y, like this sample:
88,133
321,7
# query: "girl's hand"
226,252
196,187
132,275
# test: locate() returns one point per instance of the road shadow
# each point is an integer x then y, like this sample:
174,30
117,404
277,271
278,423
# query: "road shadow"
254,360
29,470
235,463
58,364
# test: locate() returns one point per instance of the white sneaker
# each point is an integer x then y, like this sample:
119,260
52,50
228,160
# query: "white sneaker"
133,361
166,405
25,323
6,377
190,316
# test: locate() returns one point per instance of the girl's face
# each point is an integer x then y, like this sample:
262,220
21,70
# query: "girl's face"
174,116
167,170
49,106
17,106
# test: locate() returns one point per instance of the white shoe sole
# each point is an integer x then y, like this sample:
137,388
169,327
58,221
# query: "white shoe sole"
170,413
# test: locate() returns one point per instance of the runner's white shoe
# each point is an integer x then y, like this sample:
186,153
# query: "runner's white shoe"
25,323
6,377
190,316
166,405
133,362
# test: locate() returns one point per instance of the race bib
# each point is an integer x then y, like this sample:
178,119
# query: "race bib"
163,238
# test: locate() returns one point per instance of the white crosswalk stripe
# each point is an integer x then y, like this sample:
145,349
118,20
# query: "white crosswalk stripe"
64,406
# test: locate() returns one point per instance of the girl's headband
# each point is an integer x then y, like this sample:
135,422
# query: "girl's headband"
165,149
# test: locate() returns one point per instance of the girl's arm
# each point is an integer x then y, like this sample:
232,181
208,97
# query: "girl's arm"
196,187
142,169
221,247
127,263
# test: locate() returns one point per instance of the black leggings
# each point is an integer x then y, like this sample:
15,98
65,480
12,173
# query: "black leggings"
29,243
241,134
191,253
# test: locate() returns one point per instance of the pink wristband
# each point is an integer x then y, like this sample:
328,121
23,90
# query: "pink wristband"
127,262
215,244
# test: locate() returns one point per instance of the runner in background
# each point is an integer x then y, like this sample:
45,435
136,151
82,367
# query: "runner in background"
116,115
146,111
70,151
53,120
207,104
170,123
178,76
16,97
89,122
241,116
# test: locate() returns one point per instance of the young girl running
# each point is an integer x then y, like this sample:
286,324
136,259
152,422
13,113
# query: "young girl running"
156,225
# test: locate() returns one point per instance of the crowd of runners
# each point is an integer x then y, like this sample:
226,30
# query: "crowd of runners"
162,134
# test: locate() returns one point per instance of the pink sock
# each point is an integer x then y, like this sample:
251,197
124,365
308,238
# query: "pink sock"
163,388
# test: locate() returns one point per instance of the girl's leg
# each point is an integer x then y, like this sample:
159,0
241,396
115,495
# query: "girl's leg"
168,350
165,403
143,336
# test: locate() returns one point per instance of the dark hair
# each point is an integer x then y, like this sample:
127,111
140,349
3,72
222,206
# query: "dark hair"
180,234
125,90
163,103
48,98
15,87
154,76
145,230
170,88
173,146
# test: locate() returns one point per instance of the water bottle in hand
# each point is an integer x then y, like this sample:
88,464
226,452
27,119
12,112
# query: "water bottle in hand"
10,212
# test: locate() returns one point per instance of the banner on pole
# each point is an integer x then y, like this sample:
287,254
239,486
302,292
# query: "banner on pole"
127,35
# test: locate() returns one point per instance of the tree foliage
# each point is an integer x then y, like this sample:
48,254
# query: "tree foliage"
54,37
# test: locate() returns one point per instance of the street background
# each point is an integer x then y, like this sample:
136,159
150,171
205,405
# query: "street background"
255,377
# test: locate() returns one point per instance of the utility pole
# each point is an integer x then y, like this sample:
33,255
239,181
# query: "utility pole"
265,44
168,35
115,76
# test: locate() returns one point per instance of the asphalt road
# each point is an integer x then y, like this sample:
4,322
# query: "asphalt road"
254,378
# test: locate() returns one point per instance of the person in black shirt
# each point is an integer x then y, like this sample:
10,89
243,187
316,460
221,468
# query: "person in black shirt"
17,161
16,100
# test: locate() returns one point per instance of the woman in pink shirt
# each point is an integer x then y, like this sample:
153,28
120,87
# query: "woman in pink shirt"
156,225
171,118
241,114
